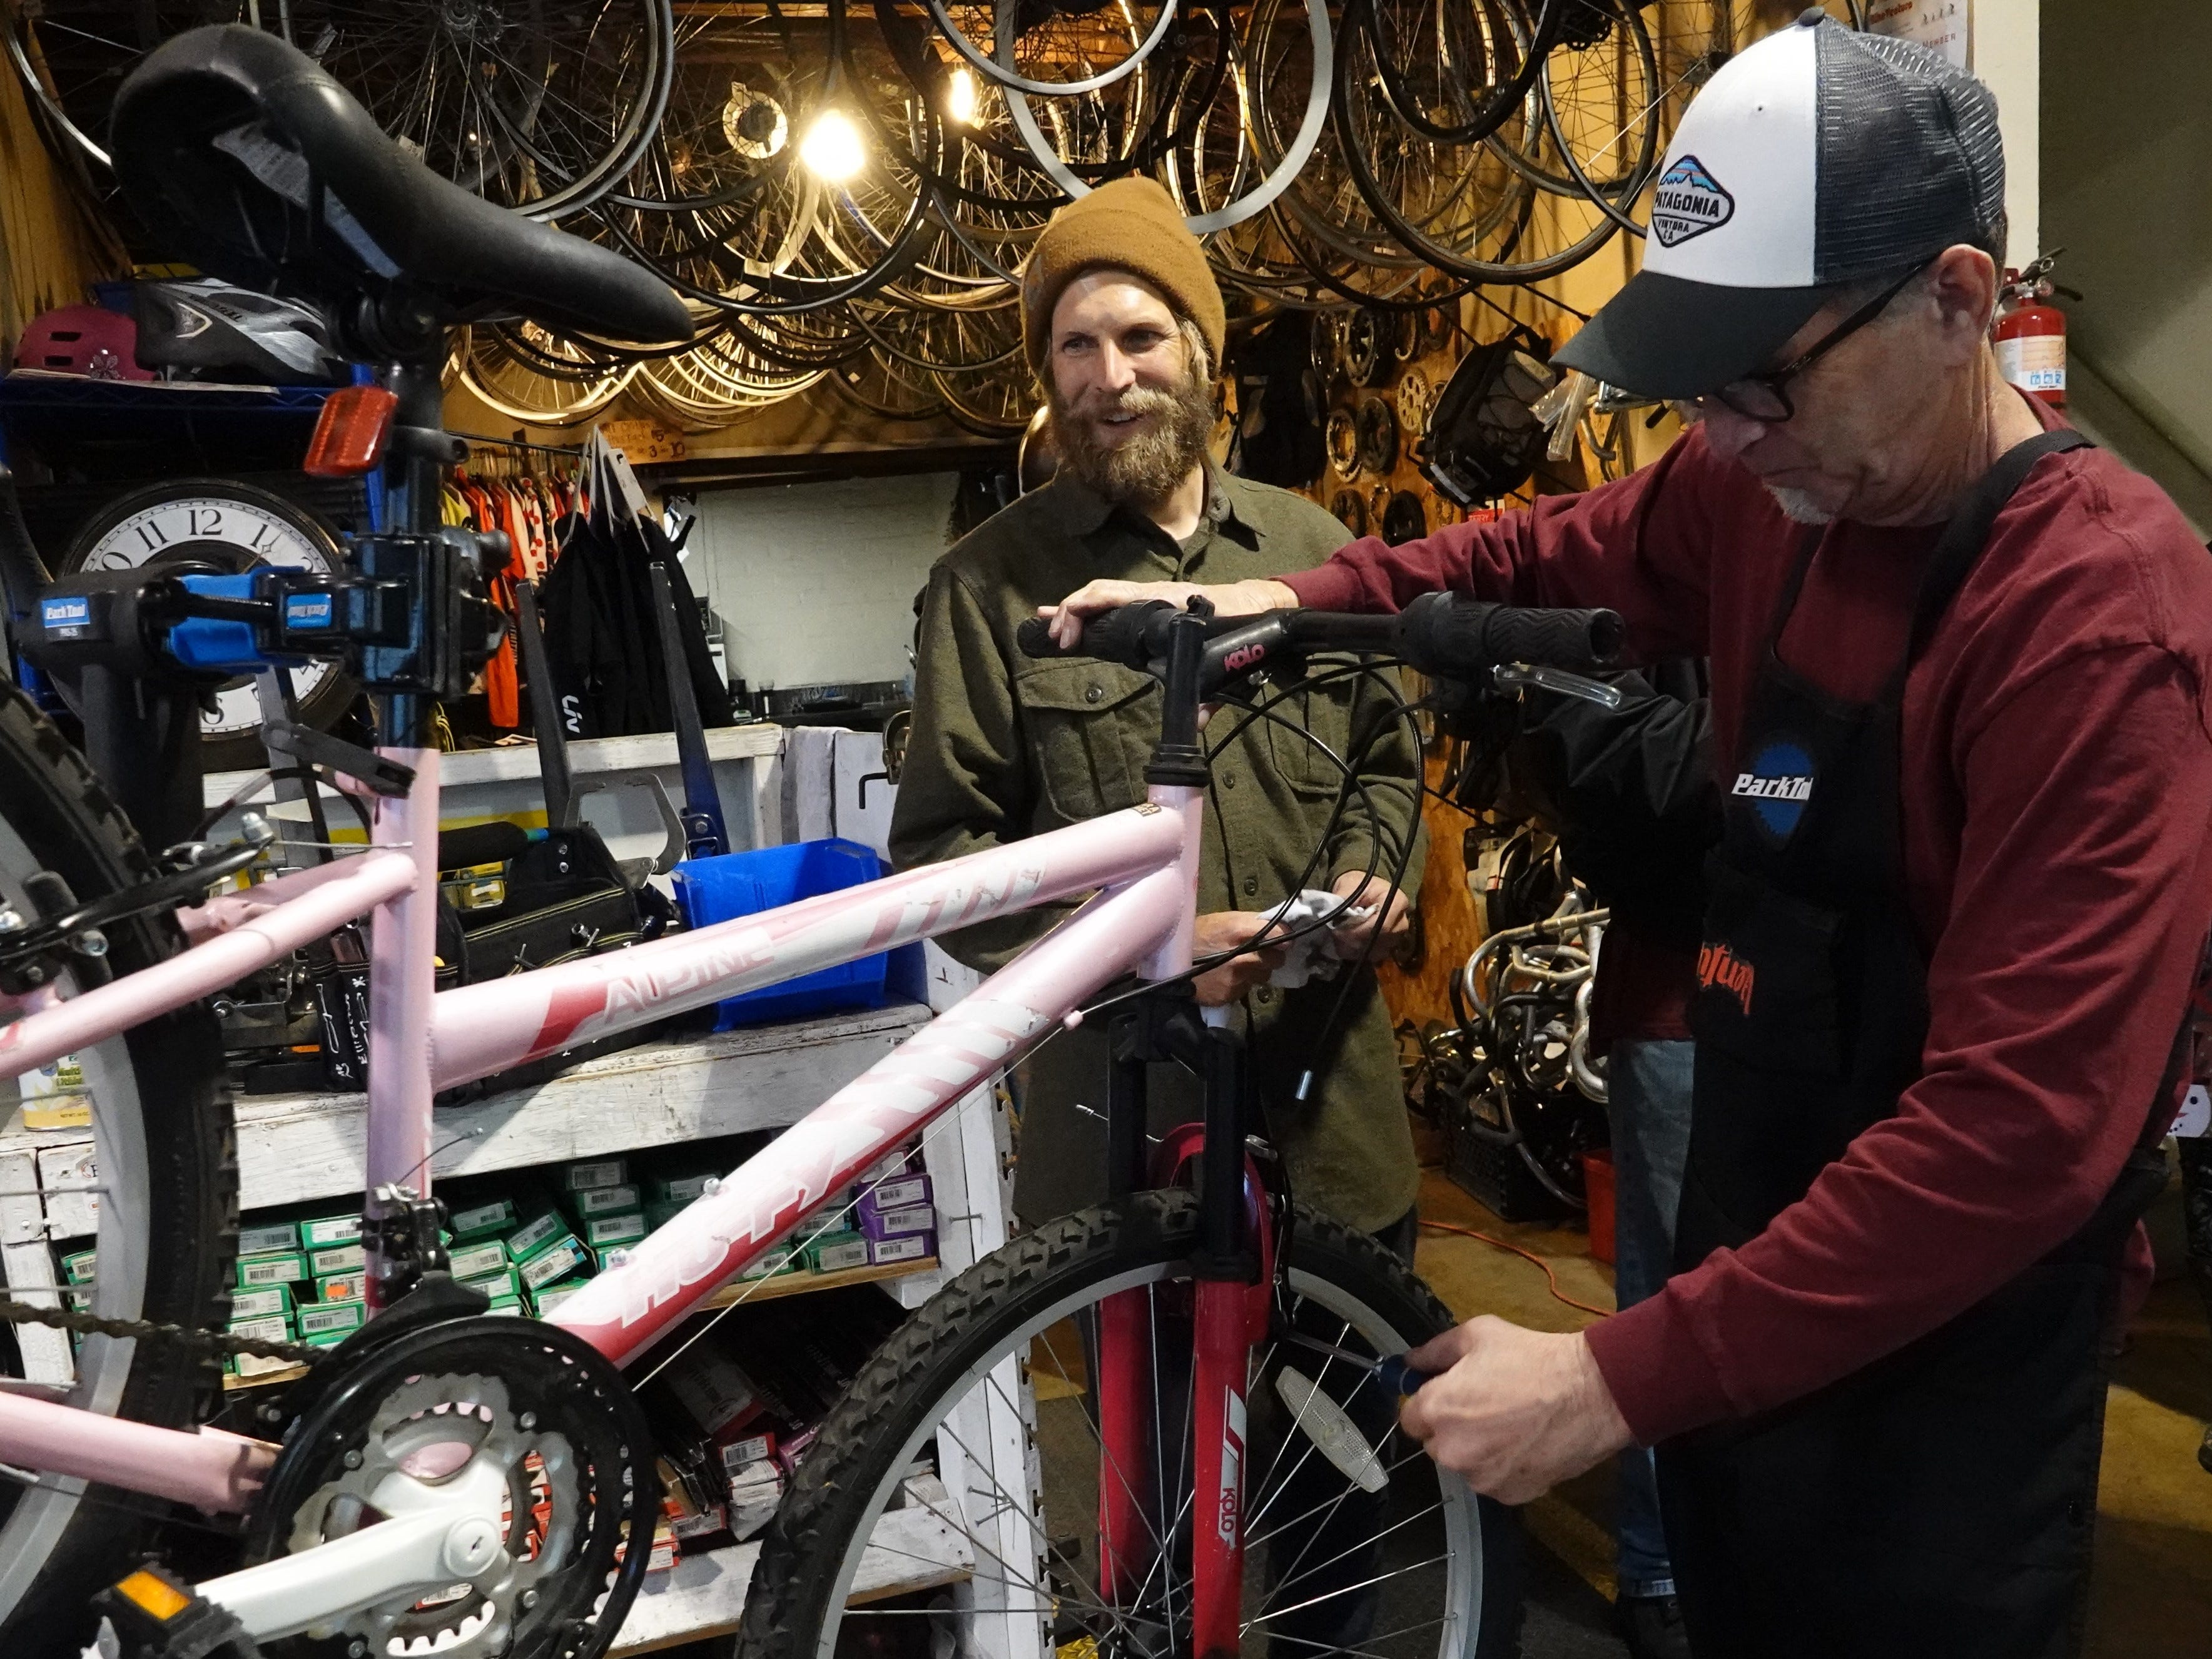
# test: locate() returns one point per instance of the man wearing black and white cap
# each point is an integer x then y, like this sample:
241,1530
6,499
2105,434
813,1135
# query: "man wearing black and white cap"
1962,697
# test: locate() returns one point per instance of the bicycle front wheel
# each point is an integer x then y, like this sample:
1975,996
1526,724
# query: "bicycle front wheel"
164,1178
968,1457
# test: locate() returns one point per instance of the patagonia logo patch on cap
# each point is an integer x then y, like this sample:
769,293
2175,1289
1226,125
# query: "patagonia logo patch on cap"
1779,784
1688,202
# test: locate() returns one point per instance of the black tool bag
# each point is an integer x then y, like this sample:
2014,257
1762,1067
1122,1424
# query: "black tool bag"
565,898
1484,440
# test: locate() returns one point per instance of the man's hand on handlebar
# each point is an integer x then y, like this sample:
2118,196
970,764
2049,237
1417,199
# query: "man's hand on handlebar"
1228,599
1225,930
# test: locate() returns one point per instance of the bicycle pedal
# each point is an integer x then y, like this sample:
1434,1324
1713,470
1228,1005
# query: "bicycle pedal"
152,1614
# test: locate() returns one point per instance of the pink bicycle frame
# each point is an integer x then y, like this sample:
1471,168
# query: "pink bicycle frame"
1141,864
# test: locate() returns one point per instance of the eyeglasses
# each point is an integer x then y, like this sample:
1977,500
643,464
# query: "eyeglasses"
1765,397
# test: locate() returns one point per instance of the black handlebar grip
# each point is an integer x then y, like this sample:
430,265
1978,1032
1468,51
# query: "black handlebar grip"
1131,634
1581,640
1033,639
1444,634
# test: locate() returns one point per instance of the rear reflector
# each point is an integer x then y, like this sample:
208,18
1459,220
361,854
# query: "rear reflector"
350,437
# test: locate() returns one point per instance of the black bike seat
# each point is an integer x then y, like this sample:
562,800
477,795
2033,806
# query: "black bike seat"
240,153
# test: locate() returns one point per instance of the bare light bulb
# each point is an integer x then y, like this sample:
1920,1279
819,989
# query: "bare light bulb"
832,149
960,98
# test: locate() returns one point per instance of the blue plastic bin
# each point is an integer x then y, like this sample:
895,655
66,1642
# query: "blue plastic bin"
714,890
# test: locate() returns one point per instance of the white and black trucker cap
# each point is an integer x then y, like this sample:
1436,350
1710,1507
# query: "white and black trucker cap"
1816,159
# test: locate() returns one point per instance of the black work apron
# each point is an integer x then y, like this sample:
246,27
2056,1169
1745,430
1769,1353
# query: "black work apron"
1939,1502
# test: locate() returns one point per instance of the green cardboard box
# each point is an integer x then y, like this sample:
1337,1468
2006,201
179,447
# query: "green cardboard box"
544,1300
602,1231
777,1258
506,1281
338,1259
477,1261
268,1237
835,1253
679,1189
534,1235
598,1172
327,1230
327,1316
482,1220
604,1200
273,1301
258,1273
555,1262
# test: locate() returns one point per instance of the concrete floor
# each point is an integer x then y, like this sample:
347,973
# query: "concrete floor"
2152,1593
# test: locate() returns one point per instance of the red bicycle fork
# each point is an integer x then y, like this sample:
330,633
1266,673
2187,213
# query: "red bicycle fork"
1234,1270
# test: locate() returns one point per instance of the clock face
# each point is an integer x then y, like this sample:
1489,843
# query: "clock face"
230,526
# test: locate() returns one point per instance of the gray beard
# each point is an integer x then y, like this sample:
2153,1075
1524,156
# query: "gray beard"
1149,467
1799,507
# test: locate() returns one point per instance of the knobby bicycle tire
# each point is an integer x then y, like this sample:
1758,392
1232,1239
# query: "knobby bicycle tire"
816,1540
161,1091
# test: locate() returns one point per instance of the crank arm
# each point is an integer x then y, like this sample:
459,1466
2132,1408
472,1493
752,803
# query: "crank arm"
456,1538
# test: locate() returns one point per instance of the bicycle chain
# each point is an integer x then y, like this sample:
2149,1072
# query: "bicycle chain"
143,1330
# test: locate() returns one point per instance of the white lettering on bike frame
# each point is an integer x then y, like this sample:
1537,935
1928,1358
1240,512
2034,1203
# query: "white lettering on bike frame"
1227,1510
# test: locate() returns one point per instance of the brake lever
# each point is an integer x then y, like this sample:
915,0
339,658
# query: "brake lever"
1519,676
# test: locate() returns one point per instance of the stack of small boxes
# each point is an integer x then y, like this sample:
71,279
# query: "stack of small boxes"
895,1216
298,1281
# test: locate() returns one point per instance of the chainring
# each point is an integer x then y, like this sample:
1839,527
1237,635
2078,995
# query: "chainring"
555,1421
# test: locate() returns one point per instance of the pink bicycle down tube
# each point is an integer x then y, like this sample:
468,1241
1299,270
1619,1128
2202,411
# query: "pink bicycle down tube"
1143,922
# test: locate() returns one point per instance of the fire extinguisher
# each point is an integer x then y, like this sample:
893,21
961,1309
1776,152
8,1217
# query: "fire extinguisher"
2031,333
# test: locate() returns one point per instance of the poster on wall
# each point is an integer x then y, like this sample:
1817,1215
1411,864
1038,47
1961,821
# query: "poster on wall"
1942,26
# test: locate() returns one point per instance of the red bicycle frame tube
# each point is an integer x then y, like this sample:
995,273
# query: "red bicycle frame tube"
1128,1488
1228,1318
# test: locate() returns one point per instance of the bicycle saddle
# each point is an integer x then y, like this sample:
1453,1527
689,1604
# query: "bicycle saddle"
238,152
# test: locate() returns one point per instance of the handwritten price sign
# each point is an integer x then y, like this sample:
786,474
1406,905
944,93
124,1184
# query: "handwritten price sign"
1942,26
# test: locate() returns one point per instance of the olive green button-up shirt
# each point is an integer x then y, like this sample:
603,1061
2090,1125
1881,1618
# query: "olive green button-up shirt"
1003,747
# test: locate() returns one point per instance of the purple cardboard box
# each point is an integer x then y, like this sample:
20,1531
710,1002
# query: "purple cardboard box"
913,1247
899,1192
878,1224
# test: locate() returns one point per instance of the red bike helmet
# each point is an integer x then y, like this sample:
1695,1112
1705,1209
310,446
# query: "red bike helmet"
86,340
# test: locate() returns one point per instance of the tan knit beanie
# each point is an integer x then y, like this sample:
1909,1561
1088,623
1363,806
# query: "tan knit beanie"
1133,225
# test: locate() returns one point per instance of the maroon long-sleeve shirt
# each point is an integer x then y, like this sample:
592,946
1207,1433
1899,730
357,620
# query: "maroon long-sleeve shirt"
2056,792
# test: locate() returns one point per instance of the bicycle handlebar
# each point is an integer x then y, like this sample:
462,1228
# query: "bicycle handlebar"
1440,634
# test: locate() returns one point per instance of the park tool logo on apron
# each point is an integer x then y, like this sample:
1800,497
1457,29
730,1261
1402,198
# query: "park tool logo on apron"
1778,785
1689,202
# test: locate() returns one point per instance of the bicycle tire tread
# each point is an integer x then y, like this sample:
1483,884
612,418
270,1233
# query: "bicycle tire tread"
807,1535
63,812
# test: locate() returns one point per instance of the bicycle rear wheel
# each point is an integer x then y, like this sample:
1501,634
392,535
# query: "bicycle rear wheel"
167,1188
968,1454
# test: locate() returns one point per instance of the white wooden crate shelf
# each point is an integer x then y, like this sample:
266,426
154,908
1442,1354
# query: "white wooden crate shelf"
704,1596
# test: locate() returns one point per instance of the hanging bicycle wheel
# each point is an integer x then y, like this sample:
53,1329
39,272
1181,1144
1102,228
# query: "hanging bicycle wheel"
1454,70
1055,48
1602,102
992,1390
530,374
538,104
1690,41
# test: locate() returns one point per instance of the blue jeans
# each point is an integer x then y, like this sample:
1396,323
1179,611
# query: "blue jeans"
1649,1086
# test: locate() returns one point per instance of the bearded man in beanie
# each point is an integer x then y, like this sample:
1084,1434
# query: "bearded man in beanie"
1124,327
